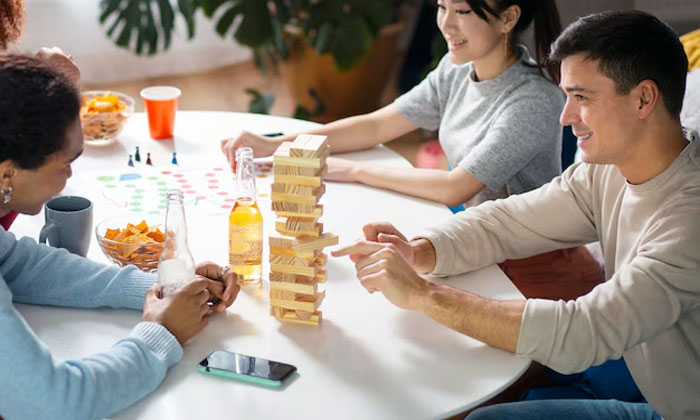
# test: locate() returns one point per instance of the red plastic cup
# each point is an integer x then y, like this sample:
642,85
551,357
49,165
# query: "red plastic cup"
161,107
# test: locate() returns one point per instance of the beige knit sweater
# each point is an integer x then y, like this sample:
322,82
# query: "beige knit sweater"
648,310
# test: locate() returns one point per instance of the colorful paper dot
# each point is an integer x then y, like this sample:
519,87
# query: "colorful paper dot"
105,178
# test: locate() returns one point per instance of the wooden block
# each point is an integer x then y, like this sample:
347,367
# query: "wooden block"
280,169
292,193
283,208
320,276
290,260
293,269
283,294
319,259
308,146
297,279
276,312
303,244
300,288
303,303
301,190
291,317
303,315
282,155
297,223
313,181
300,233
289,251
298,226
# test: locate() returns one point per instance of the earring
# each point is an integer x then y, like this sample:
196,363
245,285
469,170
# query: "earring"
6,195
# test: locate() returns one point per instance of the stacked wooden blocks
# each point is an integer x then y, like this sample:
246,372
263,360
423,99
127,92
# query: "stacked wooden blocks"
296,252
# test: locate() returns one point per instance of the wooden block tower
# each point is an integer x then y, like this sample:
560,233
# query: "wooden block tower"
296,251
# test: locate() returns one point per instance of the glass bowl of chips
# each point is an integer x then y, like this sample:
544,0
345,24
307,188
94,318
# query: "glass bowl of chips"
103,115
132,239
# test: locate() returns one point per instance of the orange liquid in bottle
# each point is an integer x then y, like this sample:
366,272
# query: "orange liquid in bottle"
246,241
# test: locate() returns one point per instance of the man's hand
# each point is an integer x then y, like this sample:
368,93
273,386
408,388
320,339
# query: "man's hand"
222,284
385,232
381,267
261,145
63,62
184,313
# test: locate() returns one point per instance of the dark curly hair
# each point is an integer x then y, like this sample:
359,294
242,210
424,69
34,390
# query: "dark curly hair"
37,105
11,21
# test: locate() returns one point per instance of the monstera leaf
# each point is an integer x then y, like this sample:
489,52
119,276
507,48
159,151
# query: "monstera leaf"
343,28
136,19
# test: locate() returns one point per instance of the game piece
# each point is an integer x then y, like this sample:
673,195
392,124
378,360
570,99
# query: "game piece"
137,155
174,161
148,159
296,257
131,162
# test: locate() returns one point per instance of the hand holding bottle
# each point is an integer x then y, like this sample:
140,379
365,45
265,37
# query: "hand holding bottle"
184,312
222,284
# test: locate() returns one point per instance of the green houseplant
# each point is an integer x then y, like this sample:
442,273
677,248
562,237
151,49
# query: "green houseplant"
344,32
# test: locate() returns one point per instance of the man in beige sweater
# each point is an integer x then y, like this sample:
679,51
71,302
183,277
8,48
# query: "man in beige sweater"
637,192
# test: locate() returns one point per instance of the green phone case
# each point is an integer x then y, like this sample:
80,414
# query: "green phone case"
240,377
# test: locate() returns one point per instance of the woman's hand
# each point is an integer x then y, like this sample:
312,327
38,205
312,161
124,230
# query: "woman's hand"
222,284
261,145
184,313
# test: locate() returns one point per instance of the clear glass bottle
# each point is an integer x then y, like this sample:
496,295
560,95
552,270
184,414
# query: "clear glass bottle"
175,265
245,224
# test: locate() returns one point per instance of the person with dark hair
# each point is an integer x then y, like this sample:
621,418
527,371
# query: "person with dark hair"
40,136
637,191
496,116
493,106
11,24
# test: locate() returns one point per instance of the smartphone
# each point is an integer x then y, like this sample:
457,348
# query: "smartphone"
246,368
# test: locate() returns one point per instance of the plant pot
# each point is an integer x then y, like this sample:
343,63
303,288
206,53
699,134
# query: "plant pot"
342,94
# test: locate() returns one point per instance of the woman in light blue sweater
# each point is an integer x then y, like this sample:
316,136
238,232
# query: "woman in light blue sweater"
40,135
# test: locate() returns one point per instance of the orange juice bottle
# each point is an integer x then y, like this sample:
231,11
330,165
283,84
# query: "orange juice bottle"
245,223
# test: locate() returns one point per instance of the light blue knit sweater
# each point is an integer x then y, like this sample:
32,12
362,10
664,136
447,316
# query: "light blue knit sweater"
33,384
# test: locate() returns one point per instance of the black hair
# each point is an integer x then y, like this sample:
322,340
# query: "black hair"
547,25
37,105
631,46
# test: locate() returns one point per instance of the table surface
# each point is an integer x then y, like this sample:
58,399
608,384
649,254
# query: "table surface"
367,359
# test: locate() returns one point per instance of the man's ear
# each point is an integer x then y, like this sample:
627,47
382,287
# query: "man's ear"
647,96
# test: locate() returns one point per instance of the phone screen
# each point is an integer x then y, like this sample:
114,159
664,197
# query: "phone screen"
241,364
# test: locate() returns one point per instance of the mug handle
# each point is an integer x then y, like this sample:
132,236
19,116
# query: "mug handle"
48,232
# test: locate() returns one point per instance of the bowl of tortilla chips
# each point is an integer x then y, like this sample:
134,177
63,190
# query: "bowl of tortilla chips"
103,115
132,240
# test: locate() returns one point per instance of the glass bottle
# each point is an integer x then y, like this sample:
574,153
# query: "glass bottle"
175,265
245,223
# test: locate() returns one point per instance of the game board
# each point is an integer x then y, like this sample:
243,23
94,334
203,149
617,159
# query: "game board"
142,189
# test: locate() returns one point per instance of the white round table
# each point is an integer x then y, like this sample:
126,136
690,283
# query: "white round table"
367,359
